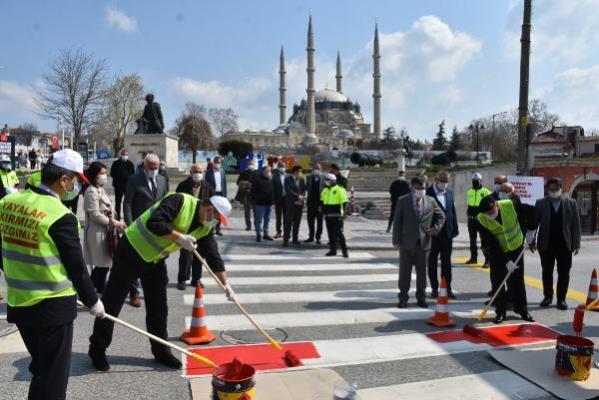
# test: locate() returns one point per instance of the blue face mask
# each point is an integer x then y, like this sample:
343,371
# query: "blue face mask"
71,194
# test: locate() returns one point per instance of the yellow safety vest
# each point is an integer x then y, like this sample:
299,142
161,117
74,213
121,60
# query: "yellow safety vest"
152,248
508,233
333,199
474,196
8,178
32,265
35,179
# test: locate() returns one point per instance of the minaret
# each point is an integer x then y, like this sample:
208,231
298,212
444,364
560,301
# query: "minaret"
282,106
376,95
339,76
311,115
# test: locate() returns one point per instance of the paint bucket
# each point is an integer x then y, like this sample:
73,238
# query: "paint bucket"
233,381
574,356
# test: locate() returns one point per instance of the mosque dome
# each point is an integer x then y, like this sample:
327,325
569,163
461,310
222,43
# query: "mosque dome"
329,95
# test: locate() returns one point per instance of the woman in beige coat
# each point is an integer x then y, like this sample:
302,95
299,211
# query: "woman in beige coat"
98,215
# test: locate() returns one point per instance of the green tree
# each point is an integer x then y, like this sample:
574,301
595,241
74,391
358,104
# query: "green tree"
455,143
439,143
389,135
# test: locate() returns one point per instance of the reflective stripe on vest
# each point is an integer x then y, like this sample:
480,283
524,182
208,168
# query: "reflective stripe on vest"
152,248
32,265
508,233
474,196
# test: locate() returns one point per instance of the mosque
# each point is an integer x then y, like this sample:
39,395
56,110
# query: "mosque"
326,119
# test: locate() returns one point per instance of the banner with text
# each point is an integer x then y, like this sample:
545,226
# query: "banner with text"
529,188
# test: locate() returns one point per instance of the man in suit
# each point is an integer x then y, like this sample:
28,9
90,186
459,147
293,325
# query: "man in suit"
196,186
442,243
217,178
314,187
278,186
398,188
558,222
418,218
143,190
244,192
120,172
295,191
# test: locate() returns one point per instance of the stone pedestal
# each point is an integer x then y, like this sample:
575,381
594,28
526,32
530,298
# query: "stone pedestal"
165,146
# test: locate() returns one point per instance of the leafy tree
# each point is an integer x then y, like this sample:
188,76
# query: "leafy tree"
440,141
193,129
455,143
238,148
223,120
388,135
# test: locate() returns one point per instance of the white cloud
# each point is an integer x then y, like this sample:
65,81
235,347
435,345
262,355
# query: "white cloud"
17,102
120,20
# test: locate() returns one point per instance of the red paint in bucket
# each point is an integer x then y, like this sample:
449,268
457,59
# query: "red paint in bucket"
233,381
577,323
573,357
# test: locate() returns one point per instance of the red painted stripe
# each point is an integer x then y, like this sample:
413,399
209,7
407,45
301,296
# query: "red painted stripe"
31,245
504,335
263,357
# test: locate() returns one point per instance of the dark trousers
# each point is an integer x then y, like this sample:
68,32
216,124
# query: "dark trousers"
127,267
248,207
391,214
314,218
280,214
560,255
473,233
98,277
335,231
188,265
441,245
417,258
119,194
517,292
50,349
291,222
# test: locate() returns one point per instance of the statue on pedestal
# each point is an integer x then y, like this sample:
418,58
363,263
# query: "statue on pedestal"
151,121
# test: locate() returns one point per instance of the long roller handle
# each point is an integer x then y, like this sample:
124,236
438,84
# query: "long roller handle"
239,306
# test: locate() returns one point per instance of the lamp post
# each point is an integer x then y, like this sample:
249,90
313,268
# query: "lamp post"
475,128
493,131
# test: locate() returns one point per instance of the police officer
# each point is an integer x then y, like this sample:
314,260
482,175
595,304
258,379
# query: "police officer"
502,240
473,198
45,272
8,177
34,180
177,221
333,199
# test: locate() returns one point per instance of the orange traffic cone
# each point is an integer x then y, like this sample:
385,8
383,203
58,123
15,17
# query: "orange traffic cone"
593,291
198,333
441,317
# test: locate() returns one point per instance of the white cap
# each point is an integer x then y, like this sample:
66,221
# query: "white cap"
331,177
477,176
223,206
4,158
70,160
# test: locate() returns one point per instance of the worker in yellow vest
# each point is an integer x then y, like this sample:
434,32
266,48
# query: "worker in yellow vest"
503,241
473,197
178,221
9,182
45,271
333,199
35,179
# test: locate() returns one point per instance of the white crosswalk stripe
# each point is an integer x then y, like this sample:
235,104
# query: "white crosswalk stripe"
290,256
311,279
234,267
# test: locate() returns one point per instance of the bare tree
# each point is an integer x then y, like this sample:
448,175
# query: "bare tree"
25,133
193,129
223,120
73,89
122,104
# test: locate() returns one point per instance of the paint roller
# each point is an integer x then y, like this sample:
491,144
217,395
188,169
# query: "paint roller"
196,357
291,359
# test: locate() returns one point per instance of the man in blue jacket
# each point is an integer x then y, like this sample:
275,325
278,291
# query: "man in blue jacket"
442,243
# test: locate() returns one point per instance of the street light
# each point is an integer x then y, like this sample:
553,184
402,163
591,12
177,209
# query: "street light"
493,131
476,128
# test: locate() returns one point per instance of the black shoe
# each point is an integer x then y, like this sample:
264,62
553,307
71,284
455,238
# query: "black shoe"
526,316
258,239
331,253
422,303
490,293
471,261
388,230
317,241
487,302
247,228
486,266
296,243
196,283
402,303
167,358
345,254
181,285
547,300
99,360
562,305
219,233
309,240
434,294
499,318
451,295
285,244
266,237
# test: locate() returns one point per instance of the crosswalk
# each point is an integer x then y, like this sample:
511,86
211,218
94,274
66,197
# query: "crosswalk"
349,325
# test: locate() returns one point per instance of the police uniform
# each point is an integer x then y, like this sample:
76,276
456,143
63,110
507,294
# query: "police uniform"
473,198
8,180
45,271
141,253
503,241
333,201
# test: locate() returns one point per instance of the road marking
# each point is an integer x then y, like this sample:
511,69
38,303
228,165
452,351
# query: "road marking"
495,385
291,256
528,280
311,267
307,279
383,315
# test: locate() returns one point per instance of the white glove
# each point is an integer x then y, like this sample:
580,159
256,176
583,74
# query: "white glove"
231,296
187,242
97,310
511,266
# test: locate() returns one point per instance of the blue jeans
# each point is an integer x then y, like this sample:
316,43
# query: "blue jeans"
262,213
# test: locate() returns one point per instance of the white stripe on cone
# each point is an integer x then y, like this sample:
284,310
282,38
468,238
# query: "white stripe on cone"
198,303
198,321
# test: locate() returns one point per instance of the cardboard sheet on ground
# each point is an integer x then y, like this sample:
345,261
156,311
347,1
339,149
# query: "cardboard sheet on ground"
537,365
286,385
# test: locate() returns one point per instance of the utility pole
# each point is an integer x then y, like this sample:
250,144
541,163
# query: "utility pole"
524,80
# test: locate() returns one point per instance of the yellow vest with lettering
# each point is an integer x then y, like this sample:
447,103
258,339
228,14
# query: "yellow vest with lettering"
508,233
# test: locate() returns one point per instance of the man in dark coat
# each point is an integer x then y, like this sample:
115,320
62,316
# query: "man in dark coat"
341,180
314,187
244,188
295,189
120,172
278,189
398,188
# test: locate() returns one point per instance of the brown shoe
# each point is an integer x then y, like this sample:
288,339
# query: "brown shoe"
135,300
1,296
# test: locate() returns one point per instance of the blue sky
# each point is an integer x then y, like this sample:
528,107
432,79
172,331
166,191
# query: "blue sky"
454,60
